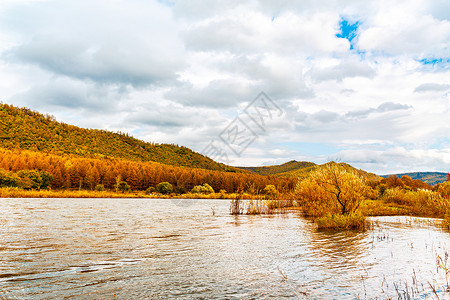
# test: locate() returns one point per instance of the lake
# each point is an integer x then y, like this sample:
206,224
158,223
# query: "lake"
190,249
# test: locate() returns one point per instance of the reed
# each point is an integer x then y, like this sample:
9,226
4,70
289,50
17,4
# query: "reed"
236,207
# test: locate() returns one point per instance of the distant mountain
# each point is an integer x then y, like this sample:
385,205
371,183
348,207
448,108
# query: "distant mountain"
432,178
300,169
22,128
290,166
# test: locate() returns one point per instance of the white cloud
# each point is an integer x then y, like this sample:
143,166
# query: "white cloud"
344,69
398,160
404,30
432,87
97,40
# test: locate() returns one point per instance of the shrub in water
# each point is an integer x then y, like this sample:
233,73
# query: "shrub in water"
331,189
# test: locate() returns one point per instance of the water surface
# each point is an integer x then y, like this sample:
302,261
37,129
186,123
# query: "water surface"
170,249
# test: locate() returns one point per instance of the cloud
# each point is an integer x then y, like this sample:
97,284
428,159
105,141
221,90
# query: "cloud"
218,93
237,79
65,93
249,31
399,30
398,159
111,45
382,108
344,69
431,87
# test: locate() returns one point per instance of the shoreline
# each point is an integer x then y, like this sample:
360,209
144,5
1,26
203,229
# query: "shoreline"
369,208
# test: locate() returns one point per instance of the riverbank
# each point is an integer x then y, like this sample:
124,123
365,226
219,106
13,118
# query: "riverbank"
8,192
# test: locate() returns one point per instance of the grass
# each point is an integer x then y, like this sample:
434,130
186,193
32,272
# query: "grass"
8,192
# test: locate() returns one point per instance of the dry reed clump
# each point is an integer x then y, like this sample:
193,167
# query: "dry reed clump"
338,221
236,207
257,206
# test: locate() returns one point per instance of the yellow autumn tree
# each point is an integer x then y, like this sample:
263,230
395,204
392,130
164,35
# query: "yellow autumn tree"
331,189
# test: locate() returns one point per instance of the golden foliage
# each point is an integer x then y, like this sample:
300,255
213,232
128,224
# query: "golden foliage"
332,189
419,203
72,172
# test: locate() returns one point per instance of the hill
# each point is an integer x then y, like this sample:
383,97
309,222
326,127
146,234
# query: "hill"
290,166
300,169
22,128
432,178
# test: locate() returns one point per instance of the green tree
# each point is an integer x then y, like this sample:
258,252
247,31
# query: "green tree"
164,188
124,187
100,187
46,179
8,179
202,189
150,190
34,176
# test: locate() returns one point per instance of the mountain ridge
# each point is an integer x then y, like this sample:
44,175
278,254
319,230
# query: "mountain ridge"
431,178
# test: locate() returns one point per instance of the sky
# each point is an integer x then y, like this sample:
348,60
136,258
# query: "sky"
248,83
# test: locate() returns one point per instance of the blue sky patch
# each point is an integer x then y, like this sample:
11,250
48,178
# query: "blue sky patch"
348,30
435,61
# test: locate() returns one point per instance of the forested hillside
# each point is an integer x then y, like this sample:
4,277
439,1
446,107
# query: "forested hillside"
22,128
73,172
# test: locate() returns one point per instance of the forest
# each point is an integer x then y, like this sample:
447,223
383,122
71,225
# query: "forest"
73,172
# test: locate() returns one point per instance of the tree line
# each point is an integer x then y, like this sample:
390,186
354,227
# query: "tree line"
72,172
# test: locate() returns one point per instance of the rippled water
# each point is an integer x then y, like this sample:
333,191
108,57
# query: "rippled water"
160,249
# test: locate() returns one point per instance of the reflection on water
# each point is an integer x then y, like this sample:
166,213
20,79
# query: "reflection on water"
147,248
